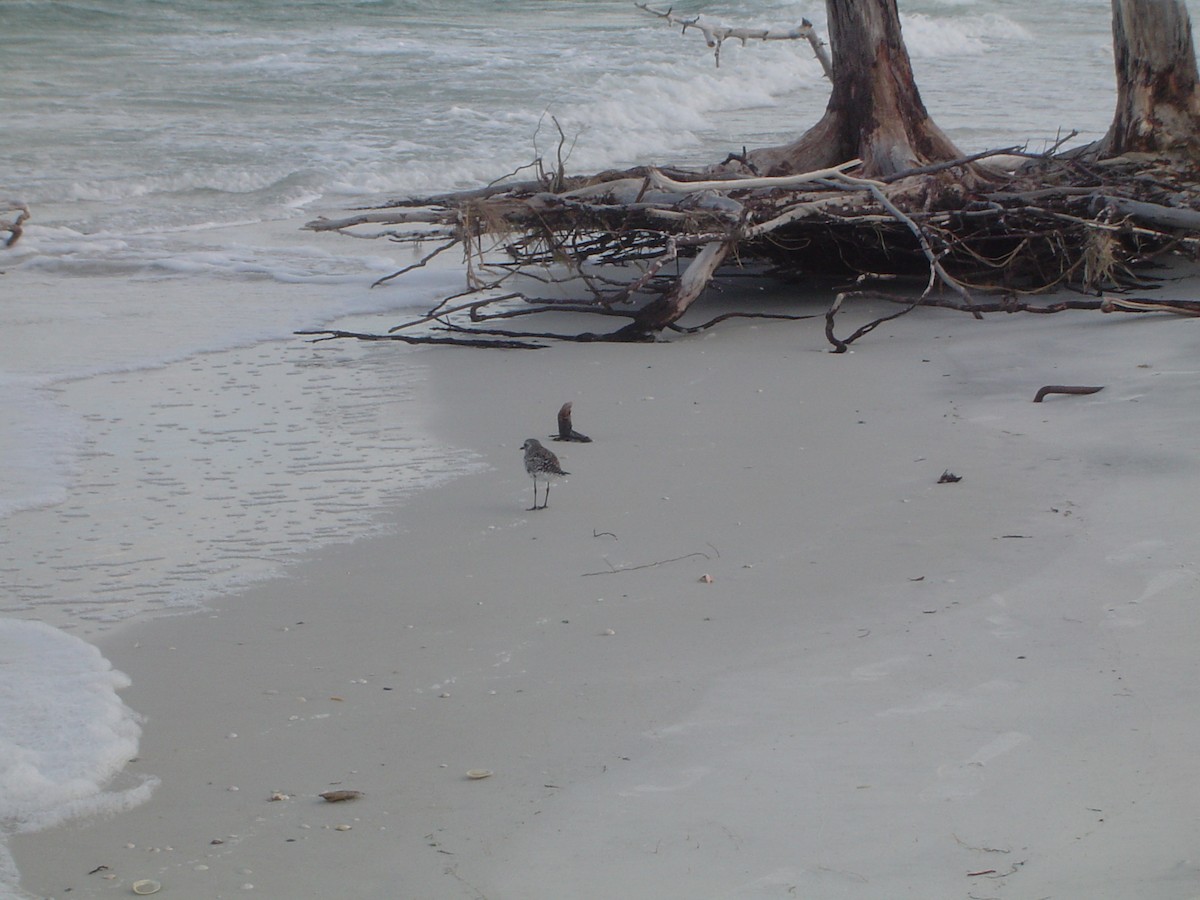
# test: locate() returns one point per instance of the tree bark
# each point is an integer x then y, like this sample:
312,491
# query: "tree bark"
1158,104
875,111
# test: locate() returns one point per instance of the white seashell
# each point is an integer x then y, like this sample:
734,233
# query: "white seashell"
146,886
476,774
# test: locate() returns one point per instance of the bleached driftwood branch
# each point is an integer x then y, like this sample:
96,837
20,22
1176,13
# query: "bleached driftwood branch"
837,175
662,182
715,35
422,215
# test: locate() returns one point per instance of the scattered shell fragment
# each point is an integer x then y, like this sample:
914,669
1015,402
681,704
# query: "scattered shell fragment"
146,886
342,827
706,579
339,796
279,795
607,632
476,774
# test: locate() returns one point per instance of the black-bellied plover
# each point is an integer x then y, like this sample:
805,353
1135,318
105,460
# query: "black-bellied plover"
540,463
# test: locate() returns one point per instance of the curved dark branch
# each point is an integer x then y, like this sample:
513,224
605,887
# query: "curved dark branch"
331,334
419,263
694,329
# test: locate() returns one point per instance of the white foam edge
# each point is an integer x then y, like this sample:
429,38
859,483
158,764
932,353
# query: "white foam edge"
65,734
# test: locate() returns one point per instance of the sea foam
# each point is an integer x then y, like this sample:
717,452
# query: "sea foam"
59,754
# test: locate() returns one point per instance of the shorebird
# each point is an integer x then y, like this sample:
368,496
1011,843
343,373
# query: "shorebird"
540,463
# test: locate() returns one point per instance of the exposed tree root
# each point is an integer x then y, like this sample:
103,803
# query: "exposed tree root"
1009,304
643,244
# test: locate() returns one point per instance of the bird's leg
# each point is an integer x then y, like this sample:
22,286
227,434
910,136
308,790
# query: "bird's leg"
546,501
535,506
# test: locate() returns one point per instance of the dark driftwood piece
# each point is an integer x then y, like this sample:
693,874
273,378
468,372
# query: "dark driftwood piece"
17,228
565,431
329,335
1065,389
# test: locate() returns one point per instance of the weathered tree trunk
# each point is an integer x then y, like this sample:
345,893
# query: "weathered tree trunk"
875,112
1158,104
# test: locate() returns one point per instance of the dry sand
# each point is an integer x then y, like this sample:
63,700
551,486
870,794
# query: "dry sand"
891,688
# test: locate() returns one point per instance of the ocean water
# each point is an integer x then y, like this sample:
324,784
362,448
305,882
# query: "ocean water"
164,438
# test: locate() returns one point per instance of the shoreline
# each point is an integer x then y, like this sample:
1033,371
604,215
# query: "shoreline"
216,473
886,679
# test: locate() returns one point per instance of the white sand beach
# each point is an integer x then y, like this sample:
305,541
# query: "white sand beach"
890,688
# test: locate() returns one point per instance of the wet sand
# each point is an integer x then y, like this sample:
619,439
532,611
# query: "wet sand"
891,687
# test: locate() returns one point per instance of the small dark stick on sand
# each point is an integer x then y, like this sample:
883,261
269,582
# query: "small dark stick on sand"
565,431
1065,389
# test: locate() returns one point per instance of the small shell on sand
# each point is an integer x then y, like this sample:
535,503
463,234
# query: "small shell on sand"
476,774
146,886
339,796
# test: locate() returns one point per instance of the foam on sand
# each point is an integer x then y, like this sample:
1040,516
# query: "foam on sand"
64,734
